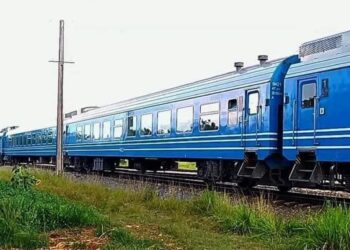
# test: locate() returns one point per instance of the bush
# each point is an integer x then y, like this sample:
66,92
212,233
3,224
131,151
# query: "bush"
21,178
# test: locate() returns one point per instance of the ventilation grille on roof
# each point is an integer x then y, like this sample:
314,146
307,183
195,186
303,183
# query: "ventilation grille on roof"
327,46
321,46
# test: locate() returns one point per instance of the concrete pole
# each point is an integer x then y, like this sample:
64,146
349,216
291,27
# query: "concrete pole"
59,131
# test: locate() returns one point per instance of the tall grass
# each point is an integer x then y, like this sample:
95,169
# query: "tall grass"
328,229
26,216
245,217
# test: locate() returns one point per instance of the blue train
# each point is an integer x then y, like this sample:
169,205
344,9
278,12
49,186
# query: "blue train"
280,122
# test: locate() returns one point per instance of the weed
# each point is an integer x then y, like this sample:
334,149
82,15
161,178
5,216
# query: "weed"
21,178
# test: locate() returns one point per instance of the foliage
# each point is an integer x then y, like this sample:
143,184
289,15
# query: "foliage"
26,215
21,178
209,220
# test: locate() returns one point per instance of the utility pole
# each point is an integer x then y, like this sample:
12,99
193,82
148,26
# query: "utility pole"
59,130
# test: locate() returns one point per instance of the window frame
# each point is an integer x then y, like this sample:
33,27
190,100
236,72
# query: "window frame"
103,130
93,131
171,114
209,113
119,126
257,109
141,134
229,110
77,134
127,128
50,136
177,115
310,82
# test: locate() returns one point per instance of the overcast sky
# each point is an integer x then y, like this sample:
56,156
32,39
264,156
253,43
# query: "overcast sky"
124,49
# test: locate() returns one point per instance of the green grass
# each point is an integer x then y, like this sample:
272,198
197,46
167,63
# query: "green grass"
187,165
26,216
141,219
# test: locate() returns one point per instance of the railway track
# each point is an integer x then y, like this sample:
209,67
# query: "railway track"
297,196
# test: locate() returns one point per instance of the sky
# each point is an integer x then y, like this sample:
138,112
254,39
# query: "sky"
124,49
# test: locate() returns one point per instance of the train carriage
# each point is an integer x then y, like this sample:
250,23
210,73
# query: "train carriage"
217,122
1,149
31,146
316,133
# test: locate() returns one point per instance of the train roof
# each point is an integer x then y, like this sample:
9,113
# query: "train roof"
236,79
325,63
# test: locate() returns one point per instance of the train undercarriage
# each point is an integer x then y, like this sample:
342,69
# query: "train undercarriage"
304,172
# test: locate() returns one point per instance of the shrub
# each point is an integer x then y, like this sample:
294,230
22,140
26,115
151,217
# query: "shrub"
21,178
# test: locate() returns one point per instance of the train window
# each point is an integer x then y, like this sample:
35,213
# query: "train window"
96,131
131,125
33,139
232,112
184,121
164,122
209,117
14,141
29,140
49,137
308,95
106,130
10,142
118,128
24,139
87,132
146,124
79,133
253,98
38,140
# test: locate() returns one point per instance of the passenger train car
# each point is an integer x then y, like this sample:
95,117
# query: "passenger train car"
279,122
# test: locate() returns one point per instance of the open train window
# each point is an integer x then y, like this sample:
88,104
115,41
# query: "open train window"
106,130
87,132
146,124
131,125
184,121
209,117
38,139
164,122
253,98
232,112
96,131
118,128
79,133
308,93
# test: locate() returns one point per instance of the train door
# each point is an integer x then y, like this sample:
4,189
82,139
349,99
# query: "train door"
306,112
252,115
